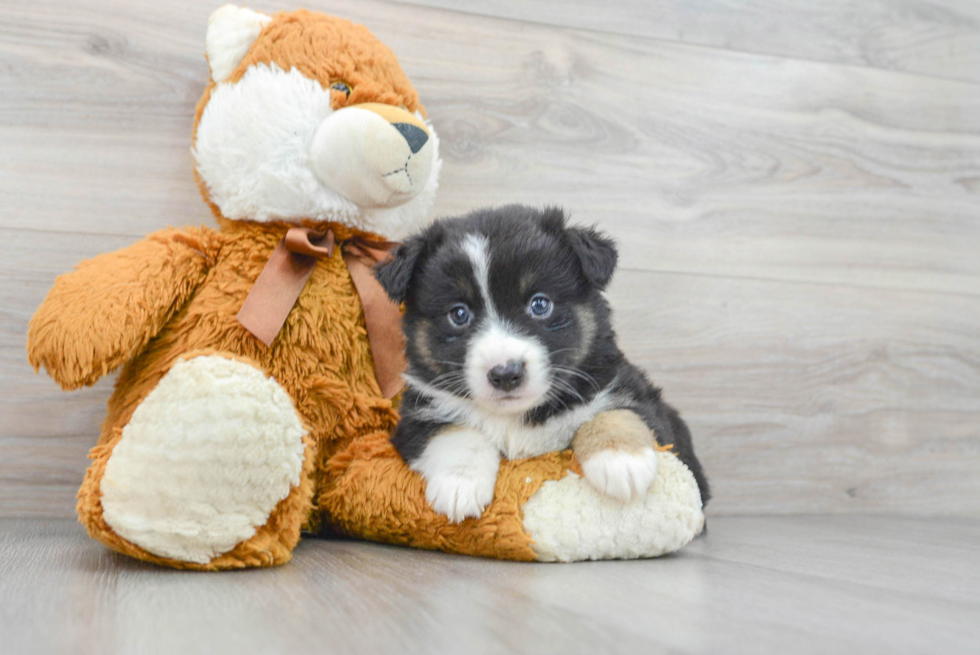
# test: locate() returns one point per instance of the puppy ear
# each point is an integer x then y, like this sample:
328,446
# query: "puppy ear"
553,220
396,274
596,252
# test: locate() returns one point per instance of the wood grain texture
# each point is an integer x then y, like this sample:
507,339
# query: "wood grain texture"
798,238
937,38
811,584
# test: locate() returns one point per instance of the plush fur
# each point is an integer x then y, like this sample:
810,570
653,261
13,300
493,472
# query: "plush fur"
231,32
173,298
256,147
515,292
663,520
212,423
217,451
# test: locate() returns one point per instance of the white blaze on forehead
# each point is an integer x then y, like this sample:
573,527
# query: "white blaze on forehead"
498,343
477,250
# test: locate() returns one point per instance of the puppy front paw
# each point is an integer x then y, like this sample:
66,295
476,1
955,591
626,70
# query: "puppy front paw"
620,474
460,497
459,467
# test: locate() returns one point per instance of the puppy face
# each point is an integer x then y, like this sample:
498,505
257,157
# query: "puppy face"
502,305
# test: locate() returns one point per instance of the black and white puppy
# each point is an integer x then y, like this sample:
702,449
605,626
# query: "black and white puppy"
511,353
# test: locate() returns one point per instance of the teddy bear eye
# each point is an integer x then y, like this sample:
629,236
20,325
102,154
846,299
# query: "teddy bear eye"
342,87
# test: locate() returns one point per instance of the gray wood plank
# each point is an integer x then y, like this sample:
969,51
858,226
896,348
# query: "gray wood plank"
798,238
813,398
939,38
752,585
710,162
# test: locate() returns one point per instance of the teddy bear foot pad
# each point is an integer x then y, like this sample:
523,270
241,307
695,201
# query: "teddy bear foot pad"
569,521
204,461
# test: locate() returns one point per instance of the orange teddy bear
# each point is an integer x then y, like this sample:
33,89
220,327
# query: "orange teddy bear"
258,361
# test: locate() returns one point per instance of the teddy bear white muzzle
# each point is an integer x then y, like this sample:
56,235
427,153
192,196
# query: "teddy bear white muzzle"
374,155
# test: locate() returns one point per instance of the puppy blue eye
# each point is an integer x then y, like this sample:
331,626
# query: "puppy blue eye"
459,315
540,306
342,87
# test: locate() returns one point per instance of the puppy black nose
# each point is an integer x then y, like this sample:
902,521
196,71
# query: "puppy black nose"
507,377
415,136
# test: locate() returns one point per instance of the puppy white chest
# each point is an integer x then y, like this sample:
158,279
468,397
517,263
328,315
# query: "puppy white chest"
516,439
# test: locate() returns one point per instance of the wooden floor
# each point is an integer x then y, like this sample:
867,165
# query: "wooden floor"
759,585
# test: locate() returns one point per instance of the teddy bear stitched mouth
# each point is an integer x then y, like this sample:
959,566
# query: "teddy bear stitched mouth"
403,169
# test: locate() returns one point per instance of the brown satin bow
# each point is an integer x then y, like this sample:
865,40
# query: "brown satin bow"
290,266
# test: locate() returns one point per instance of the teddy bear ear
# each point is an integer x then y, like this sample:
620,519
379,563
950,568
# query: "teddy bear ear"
231,32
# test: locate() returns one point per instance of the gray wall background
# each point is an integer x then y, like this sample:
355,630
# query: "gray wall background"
795,187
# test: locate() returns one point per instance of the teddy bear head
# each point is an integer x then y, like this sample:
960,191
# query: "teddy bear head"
310,118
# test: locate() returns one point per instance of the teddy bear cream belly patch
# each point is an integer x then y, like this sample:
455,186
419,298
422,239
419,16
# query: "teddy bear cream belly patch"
204,460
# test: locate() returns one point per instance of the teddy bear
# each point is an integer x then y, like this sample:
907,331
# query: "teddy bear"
260,362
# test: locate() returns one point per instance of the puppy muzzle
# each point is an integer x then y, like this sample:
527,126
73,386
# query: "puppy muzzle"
506,372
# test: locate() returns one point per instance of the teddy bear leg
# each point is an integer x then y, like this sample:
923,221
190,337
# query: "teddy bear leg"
633,499
373,495
569,520
543,508
212,471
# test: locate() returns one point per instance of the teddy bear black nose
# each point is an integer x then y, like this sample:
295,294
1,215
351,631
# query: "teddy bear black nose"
415,136
507,377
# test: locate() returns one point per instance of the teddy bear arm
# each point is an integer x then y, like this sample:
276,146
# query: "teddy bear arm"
104,312
543,508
